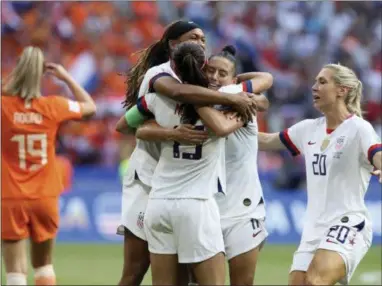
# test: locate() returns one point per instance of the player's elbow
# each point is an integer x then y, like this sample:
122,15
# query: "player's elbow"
140,134
262,104
176,93
268,78
118,128
89,109
122,126
221,131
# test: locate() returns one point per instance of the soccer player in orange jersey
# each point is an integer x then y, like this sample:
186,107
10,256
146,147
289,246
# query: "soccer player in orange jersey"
30,183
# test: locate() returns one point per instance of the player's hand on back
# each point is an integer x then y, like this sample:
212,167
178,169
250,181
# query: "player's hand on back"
186,134
378,173
245,105
57,70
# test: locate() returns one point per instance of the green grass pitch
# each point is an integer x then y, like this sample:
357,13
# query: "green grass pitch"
101,264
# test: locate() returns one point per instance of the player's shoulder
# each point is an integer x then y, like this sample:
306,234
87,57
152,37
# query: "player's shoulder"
48,101
311,123
359,124
165,67
8,99
232,88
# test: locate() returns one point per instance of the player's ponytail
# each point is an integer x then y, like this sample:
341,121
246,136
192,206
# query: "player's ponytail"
353,100
189,59
344,76
25,78
156,54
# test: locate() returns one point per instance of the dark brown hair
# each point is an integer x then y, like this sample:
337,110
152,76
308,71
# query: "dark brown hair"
189,59
228,52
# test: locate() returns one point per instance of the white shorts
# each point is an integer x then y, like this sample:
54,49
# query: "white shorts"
134,203
349,242
187,227
241,236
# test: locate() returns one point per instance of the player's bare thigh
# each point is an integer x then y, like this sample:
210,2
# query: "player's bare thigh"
210,271
164,269
136,259
326,268
242,267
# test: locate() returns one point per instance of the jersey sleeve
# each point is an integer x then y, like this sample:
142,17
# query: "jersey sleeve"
63,109
370,142
149,79
293,137
232,88
236,88
247,86
146,104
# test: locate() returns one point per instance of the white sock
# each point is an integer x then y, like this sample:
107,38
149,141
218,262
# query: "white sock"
15,278
44,271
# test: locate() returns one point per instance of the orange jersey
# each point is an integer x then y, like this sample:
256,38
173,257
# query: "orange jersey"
28,136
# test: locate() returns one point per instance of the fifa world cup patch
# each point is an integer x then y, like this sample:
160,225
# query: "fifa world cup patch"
140,219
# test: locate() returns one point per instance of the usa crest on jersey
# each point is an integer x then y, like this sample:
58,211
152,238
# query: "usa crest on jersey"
141,216
340,143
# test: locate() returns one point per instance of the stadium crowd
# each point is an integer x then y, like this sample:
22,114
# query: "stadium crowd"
96,42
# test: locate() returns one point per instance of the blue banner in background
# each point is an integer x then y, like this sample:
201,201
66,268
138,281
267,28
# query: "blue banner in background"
91,211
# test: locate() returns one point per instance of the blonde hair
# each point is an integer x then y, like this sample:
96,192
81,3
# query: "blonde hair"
346,77
25,78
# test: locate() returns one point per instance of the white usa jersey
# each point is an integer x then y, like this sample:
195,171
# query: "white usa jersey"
183,171
338,166
145,156
244,195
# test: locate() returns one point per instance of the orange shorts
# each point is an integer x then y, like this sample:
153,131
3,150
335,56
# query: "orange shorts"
37,219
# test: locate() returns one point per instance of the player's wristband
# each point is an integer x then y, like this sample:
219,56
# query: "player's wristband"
134,118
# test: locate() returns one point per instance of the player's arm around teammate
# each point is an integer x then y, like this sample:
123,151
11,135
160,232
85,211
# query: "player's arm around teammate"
242,226
150,130
30,183
338,249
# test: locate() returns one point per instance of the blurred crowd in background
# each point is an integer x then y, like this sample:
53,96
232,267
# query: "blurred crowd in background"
96,42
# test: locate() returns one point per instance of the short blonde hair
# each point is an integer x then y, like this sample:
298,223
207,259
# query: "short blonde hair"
346,77
25,78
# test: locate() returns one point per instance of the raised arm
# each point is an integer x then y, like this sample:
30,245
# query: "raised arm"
261,81
220,124
270,142
88,106
197,95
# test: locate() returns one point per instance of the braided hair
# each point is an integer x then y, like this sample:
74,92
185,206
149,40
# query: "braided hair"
156,54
